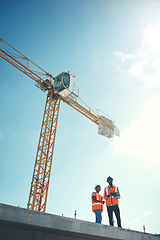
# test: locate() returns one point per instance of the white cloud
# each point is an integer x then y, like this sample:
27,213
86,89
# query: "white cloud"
142,137
124,57
135,220
151,38
147,213
136,68
144,64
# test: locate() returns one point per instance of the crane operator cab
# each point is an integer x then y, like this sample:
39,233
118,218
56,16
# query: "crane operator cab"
64,84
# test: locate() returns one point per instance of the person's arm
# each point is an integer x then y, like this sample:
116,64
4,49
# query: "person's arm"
115,194
95,199
105,196
118,195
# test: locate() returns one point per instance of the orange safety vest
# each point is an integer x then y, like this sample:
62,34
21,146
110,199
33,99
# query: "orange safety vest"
111,199
97,205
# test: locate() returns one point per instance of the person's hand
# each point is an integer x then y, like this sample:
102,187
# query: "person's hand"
113,194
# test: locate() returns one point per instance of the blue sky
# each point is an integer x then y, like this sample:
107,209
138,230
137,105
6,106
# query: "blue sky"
112,47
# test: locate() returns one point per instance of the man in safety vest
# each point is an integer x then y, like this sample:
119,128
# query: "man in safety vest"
97,203
112,196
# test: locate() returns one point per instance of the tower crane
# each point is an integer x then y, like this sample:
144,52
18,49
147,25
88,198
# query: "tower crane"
59,88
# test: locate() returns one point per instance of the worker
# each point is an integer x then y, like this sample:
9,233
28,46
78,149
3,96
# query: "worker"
97,203
112,196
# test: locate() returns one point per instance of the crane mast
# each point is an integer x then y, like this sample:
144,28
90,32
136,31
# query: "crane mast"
45,81
42,169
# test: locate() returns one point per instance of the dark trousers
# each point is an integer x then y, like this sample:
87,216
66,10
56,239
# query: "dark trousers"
115,209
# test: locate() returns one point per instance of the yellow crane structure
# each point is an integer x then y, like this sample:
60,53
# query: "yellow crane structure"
58,88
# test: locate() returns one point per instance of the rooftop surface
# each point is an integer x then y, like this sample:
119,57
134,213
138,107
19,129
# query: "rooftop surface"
23,224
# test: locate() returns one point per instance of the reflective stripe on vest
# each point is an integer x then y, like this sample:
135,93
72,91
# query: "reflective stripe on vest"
97,205
111,200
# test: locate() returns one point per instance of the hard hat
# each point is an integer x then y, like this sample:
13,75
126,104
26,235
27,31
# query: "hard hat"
96,185
109,178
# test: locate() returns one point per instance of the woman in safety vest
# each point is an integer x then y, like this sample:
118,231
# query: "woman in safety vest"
97,203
